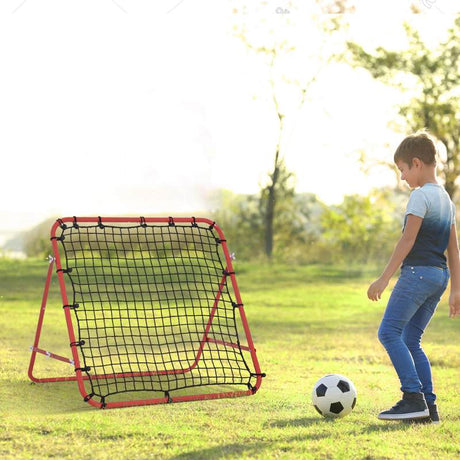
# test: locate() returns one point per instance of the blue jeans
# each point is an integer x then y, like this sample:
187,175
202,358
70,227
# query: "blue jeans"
411,306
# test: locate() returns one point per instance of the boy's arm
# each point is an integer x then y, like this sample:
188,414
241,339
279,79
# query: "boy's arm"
403,247
453,261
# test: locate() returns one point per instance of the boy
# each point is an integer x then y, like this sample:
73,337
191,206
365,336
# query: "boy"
429,229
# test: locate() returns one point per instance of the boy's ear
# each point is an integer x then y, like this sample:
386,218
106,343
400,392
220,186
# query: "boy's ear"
417,162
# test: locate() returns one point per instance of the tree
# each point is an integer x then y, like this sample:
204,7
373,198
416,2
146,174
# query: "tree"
280,187
275,49
433,79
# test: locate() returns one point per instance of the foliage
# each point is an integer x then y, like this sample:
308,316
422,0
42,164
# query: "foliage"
432,77
359,230
296,225
37,240
241,219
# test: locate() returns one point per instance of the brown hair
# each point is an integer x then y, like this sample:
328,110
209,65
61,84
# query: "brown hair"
420,145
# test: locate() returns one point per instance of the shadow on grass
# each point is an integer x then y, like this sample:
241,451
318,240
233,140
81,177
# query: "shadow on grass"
237,450
387,427
302,421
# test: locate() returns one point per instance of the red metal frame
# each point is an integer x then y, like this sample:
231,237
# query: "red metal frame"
75,360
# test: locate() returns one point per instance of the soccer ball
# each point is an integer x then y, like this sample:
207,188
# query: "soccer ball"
334,396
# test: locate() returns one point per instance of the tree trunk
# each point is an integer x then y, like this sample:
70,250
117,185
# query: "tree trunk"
269,217
270,208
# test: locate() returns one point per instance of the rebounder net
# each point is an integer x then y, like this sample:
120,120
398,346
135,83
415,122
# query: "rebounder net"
153,307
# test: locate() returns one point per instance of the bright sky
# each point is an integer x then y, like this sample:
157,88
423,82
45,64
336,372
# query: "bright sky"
140,107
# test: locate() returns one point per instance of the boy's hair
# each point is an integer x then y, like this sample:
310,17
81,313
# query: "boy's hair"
419,145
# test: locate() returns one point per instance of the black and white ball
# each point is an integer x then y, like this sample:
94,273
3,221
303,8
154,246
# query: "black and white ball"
334,395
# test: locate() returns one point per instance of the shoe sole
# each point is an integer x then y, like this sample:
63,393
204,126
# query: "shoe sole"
425,420
408,416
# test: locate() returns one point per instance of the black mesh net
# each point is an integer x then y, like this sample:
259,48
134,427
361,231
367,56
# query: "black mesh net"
154,307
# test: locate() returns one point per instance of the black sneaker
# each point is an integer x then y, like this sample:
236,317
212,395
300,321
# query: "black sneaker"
411,407
433,417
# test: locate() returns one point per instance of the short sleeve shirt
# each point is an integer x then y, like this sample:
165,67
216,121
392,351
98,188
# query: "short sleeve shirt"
433,204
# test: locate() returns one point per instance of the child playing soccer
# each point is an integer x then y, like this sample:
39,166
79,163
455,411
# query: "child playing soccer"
429,229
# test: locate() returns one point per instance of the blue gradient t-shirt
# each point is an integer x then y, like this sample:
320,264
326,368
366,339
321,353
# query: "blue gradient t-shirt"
432,203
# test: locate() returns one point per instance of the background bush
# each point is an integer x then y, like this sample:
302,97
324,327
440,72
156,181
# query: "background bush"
360,230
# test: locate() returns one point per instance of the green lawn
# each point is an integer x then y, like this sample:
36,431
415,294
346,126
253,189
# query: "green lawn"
305,321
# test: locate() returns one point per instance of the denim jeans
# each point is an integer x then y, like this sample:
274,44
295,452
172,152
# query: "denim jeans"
411,306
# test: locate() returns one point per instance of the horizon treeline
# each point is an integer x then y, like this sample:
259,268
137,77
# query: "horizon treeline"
360,230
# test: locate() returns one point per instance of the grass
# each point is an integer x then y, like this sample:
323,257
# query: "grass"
305,321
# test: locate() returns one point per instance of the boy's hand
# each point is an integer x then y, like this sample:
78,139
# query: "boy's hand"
454,303
376,288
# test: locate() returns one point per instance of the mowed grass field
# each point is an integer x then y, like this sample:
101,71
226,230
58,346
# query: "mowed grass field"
305,321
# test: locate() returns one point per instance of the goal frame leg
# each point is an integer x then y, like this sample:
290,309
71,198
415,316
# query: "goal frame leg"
34,348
